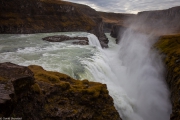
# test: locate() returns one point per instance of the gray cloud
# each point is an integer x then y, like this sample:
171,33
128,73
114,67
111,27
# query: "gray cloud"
128,6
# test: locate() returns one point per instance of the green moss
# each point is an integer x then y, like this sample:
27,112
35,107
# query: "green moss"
36,88
46,76
2,79
85,82
170,46
63,85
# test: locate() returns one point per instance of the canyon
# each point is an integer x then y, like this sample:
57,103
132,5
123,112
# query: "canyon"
40,88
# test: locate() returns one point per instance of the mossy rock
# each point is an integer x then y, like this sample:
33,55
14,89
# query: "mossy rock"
35,93
169,46
73,99
36,88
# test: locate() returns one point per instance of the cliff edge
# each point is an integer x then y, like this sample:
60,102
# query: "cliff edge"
34,93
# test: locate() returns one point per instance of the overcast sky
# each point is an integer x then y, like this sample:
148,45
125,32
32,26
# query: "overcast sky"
128,6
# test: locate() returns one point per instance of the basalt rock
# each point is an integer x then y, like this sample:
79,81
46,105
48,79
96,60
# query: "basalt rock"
34,93
37,16
169,46
117,31
61,38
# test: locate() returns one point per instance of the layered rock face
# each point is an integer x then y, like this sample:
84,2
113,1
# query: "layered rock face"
34,93
34,16
169,46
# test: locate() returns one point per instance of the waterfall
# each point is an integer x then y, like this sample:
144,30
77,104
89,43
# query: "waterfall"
93,40
134,74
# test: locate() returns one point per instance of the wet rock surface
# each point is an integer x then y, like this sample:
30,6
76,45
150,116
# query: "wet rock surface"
61,38
117,31
34,93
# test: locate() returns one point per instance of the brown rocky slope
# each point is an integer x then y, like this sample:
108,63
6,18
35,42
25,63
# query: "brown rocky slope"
35,16
32,93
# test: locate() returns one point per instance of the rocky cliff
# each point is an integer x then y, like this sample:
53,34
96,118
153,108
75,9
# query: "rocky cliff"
32,93
169,46
115,23
34,16
99,28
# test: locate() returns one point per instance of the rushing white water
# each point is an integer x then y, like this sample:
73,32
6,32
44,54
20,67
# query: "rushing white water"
132,71
93,40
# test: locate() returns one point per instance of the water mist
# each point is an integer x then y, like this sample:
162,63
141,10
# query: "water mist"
134,74
145,78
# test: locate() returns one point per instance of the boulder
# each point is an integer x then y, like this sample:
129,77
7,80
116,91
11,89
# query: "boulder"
61,38
14,80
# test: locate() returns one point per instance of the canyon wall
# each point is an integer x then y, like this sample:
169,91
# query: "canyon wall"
169,46
112,19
